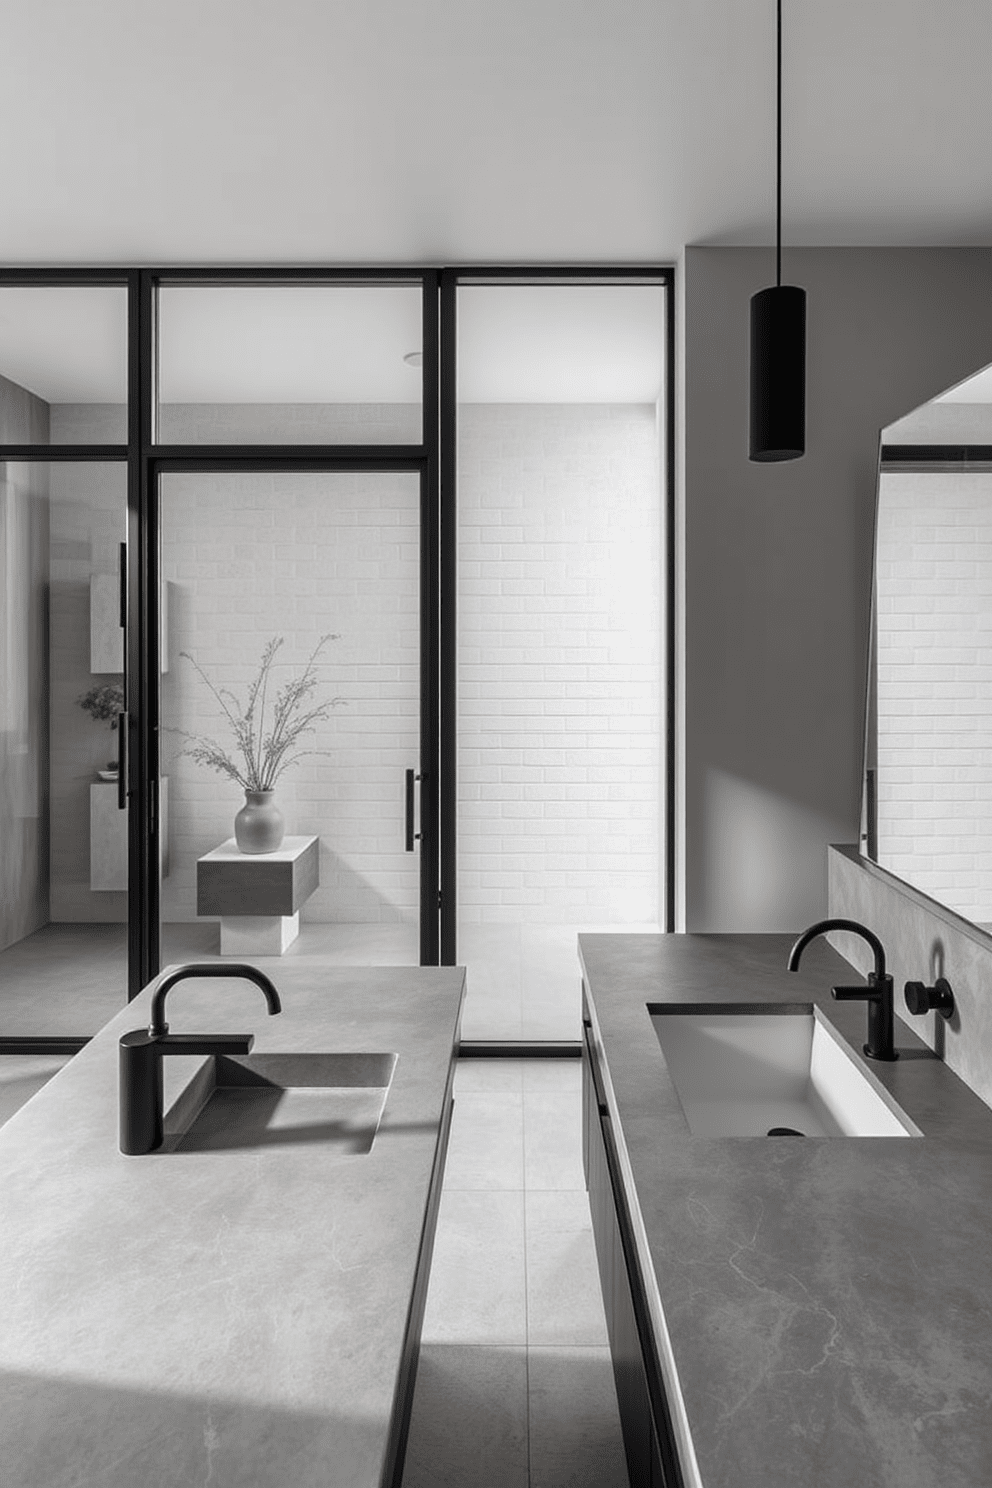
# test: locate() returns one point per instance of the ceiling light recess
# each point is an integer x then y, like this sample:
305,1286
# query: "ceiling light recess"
778,339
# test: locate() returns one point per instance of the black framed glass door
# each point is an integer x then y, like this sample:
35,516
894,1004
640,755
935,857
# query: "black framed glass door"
287,464
295,707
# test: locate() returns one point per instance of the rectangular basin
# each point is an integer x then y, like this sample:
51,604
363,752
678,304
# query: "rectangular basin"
255,1101
743,1071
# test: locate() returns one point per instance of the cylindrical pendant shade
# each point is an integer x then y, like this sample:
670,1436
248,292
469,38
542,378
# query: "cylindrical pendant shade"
778,373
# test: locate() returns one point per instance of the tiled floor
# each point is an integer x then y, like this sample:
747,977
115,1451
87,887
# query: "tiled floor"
515,1384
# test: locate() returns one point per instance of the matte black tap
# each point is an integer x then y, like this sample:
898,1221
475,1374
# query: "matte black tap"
142,1050
878,994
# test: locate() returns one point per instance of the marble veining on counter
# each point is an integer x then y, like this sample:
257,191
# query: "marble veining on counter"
828,1302
219,1318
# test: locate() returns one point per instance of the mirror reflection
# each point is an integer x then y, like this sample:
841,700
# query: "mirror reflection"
928,815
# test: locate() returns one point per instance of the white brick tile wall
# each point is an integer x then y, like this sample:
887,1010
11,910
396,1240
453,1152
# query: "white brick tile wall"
934,595
308,557
560,655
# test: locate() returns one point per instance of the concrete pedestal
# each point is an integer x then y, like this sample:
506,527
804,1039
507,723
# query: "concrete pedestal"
257,895
257,935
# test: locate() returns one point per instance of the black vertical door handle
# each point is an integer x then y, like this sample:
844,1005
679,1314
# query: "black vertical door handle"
122,761
411,835
122,717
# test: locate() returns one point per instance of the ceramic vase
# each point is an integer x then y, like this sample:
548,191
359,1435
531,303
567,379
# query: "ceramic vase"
259,826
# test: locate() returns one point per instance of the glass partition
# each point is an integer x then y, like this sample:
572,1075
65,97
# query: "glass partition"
290,364
291,663
560,766
63,835
63,364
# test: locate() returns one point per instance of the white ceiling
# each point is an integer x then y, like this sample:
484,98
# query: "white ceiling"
451,130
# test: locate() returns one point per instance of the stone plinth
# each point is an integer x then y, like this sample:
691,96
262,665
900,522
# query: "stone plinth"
257,895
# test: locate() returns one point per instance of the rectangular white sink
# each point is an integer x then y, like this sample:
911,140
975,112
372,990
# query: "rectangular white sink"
747,1070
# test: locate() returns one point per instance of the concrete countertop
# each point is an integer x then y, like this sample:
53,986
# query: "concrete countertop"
219,1318
823,1307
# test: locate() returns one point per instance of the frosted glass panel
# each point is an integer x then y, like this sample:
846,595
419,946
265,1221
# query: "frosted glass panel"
306,364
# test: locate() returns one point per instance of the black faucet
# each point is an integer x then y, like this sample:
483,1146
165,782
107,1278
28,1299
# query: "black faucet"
878,994
142,1050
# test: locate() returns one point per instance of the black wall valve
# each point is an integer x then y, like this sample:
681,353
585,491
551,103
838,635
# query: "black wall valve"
922,999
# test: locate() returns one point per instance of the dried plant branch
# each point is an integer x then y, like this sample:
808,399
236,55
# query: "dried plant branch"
266,752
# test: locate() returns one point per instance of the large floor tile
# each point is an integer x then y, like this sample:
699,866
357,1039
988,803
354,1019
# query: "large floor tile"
564,1301
490,1076
553,1140
490,1017
491,955
469,1422
63,979
575,1439
477,1291
553,1077
486,1147
552,1026
551,1211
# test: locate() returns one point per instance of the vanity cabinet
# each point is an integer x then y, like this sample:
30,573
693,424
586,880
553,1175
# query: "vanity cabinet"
651,1461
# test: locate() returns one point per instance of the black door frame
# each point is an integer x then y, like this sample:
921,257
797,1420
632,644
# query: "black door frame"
150,460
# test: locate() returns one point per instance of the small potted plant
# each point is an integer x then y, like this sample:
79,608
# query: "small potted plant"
105,703
267,732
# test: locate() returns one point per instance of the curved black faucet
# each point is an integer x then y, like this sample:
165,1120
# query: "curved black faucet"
142,1050
159,1027
878,994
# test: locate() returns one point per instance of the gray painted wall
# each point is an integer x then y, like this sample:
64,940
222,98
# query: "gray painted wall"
778,558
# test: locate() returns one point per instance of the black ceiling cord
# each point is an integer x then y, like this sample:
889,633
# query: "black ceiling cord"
778,339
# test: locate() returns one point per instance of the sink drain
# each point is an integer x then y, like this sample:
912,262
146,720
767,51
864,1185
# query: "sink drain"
784,1131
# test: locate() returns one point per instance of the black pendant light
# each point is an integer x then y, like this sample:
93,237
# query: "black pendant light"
778,341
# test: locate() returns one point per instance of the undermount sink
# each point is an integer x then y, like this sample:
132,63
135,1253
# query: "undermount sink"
267,1100
755,1070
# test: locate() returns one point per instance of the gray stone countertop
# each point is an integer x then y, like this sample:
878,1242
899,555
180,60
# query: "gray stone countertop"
825,1305
219,1318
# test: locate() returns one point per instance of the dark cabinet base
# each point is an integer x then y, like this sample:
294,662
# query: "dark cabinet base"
651,1461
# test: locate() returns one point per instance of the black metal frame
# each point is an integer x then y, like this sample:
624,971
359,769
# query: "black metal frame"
435,461
664,277
158,459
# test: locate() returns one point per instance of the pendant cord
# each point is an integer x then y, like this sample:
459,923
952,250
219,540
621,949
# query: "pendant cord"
778,155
